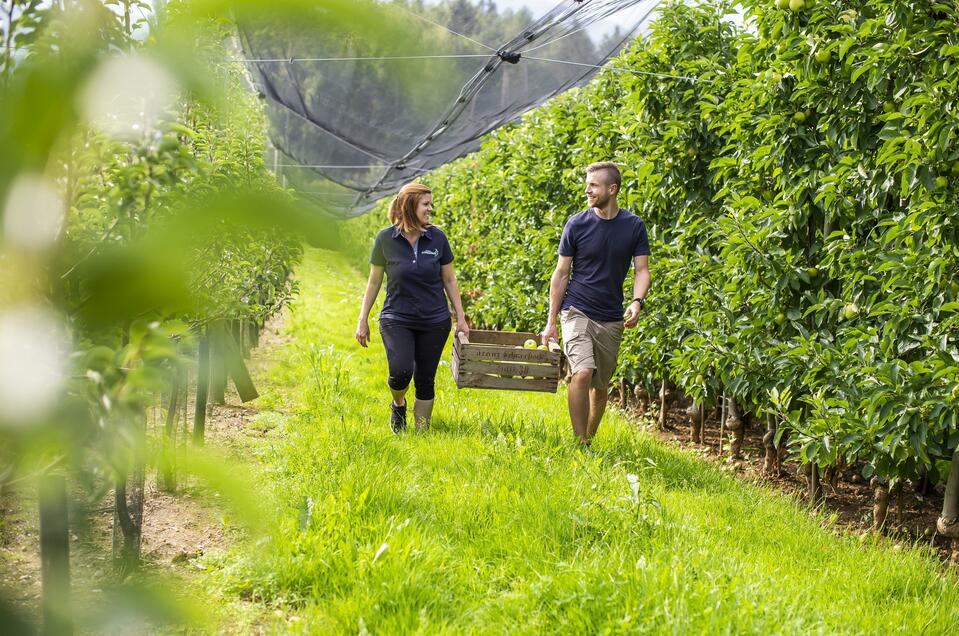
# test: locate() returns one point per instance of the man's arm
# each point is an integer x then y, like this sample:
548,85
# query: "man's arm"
641,283
557,290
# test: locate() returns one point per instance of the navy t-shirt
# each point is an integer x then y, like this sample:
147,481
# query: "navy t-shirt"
602,251
414,281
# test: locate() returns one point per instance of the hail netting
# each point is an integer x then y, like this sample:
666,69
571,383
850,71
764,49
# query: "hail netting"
355,115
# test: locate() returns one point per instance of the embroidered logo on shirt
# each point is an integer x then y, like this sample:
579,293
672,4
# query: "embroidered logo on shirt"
432,252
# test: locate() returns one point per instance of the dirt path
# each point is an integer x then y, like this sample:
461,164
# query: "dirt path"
177,527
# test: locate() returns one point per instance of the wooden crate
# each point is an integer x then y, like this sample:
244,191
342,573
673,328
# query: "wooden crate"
497,360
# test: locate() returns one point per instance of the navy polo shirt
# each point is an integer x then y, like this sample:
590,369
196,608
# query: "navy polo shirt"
414,281
602,250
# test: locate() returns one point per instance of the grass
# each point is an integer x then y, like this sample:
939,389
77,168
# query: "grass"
494,521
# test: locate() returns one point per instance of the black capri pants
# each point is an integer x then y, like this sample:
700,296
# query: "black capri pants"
413,353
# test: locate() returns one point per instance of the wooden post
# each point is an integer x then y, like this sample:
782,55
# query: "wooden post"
202,385
55,555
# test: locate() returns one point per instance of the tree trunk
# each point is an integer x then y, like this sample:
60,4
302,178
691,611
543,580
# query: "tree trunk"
127,522
724,409
623,394
167,479
880,503
694,413
813,485
216,334
783,448
900,505
771,464
128,503
924,486
663,392
734,422
702,424
236,326
948,524
55,555
642,399
202,384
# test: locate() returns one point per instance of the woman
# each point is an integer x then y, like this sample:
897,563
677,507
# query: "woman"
415,319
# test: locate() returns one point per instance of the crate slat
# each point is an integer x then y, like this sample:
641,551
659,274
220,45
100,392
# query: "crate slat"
479,336
477,381
480,360
510,368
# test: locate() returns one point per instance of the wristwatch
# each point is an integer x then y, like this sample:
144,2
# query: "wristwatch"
642,302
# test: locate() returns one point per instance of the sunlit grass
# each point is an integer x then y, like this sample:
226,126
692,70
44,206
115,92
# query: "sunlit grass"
495,521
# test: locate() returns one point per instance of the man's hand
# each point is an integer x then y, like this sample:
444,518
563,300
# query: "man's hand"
631,316
363,333
549,334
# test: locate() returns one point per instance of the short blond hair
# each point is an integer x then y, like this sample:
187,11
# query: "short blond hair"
615,178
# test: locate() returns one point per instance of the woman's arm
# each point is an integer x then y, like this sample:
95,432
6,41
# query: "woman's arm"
453,292
372,289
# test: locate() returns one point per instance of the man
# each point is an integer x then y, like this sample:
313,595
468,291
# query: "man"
586,292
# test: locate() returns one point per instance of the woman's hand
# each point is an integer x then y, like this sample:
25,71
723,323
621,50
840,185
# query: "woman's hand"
462,327
363,333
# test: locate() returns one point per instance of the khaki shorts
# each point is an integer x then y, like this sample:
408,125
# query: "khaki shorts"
589,344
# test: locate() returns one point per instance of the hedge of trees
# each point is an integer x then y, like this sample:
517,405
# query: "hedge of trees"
142,251
797,172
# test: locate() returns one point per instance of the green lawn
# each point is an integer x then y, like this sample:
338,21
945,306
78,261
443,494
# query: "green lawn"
495,521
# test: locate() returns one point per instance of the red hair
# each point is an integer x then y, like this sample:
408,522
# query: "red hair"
403,207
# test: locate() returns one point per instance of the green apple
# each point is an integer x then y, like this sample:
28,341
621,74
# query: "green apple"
529,344
850,311
812,272
799,117
782,4
941,182
543,348
823,55
780,318
797,5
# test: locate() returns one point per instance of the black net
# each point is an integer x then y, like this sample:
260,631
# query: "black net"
354,116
